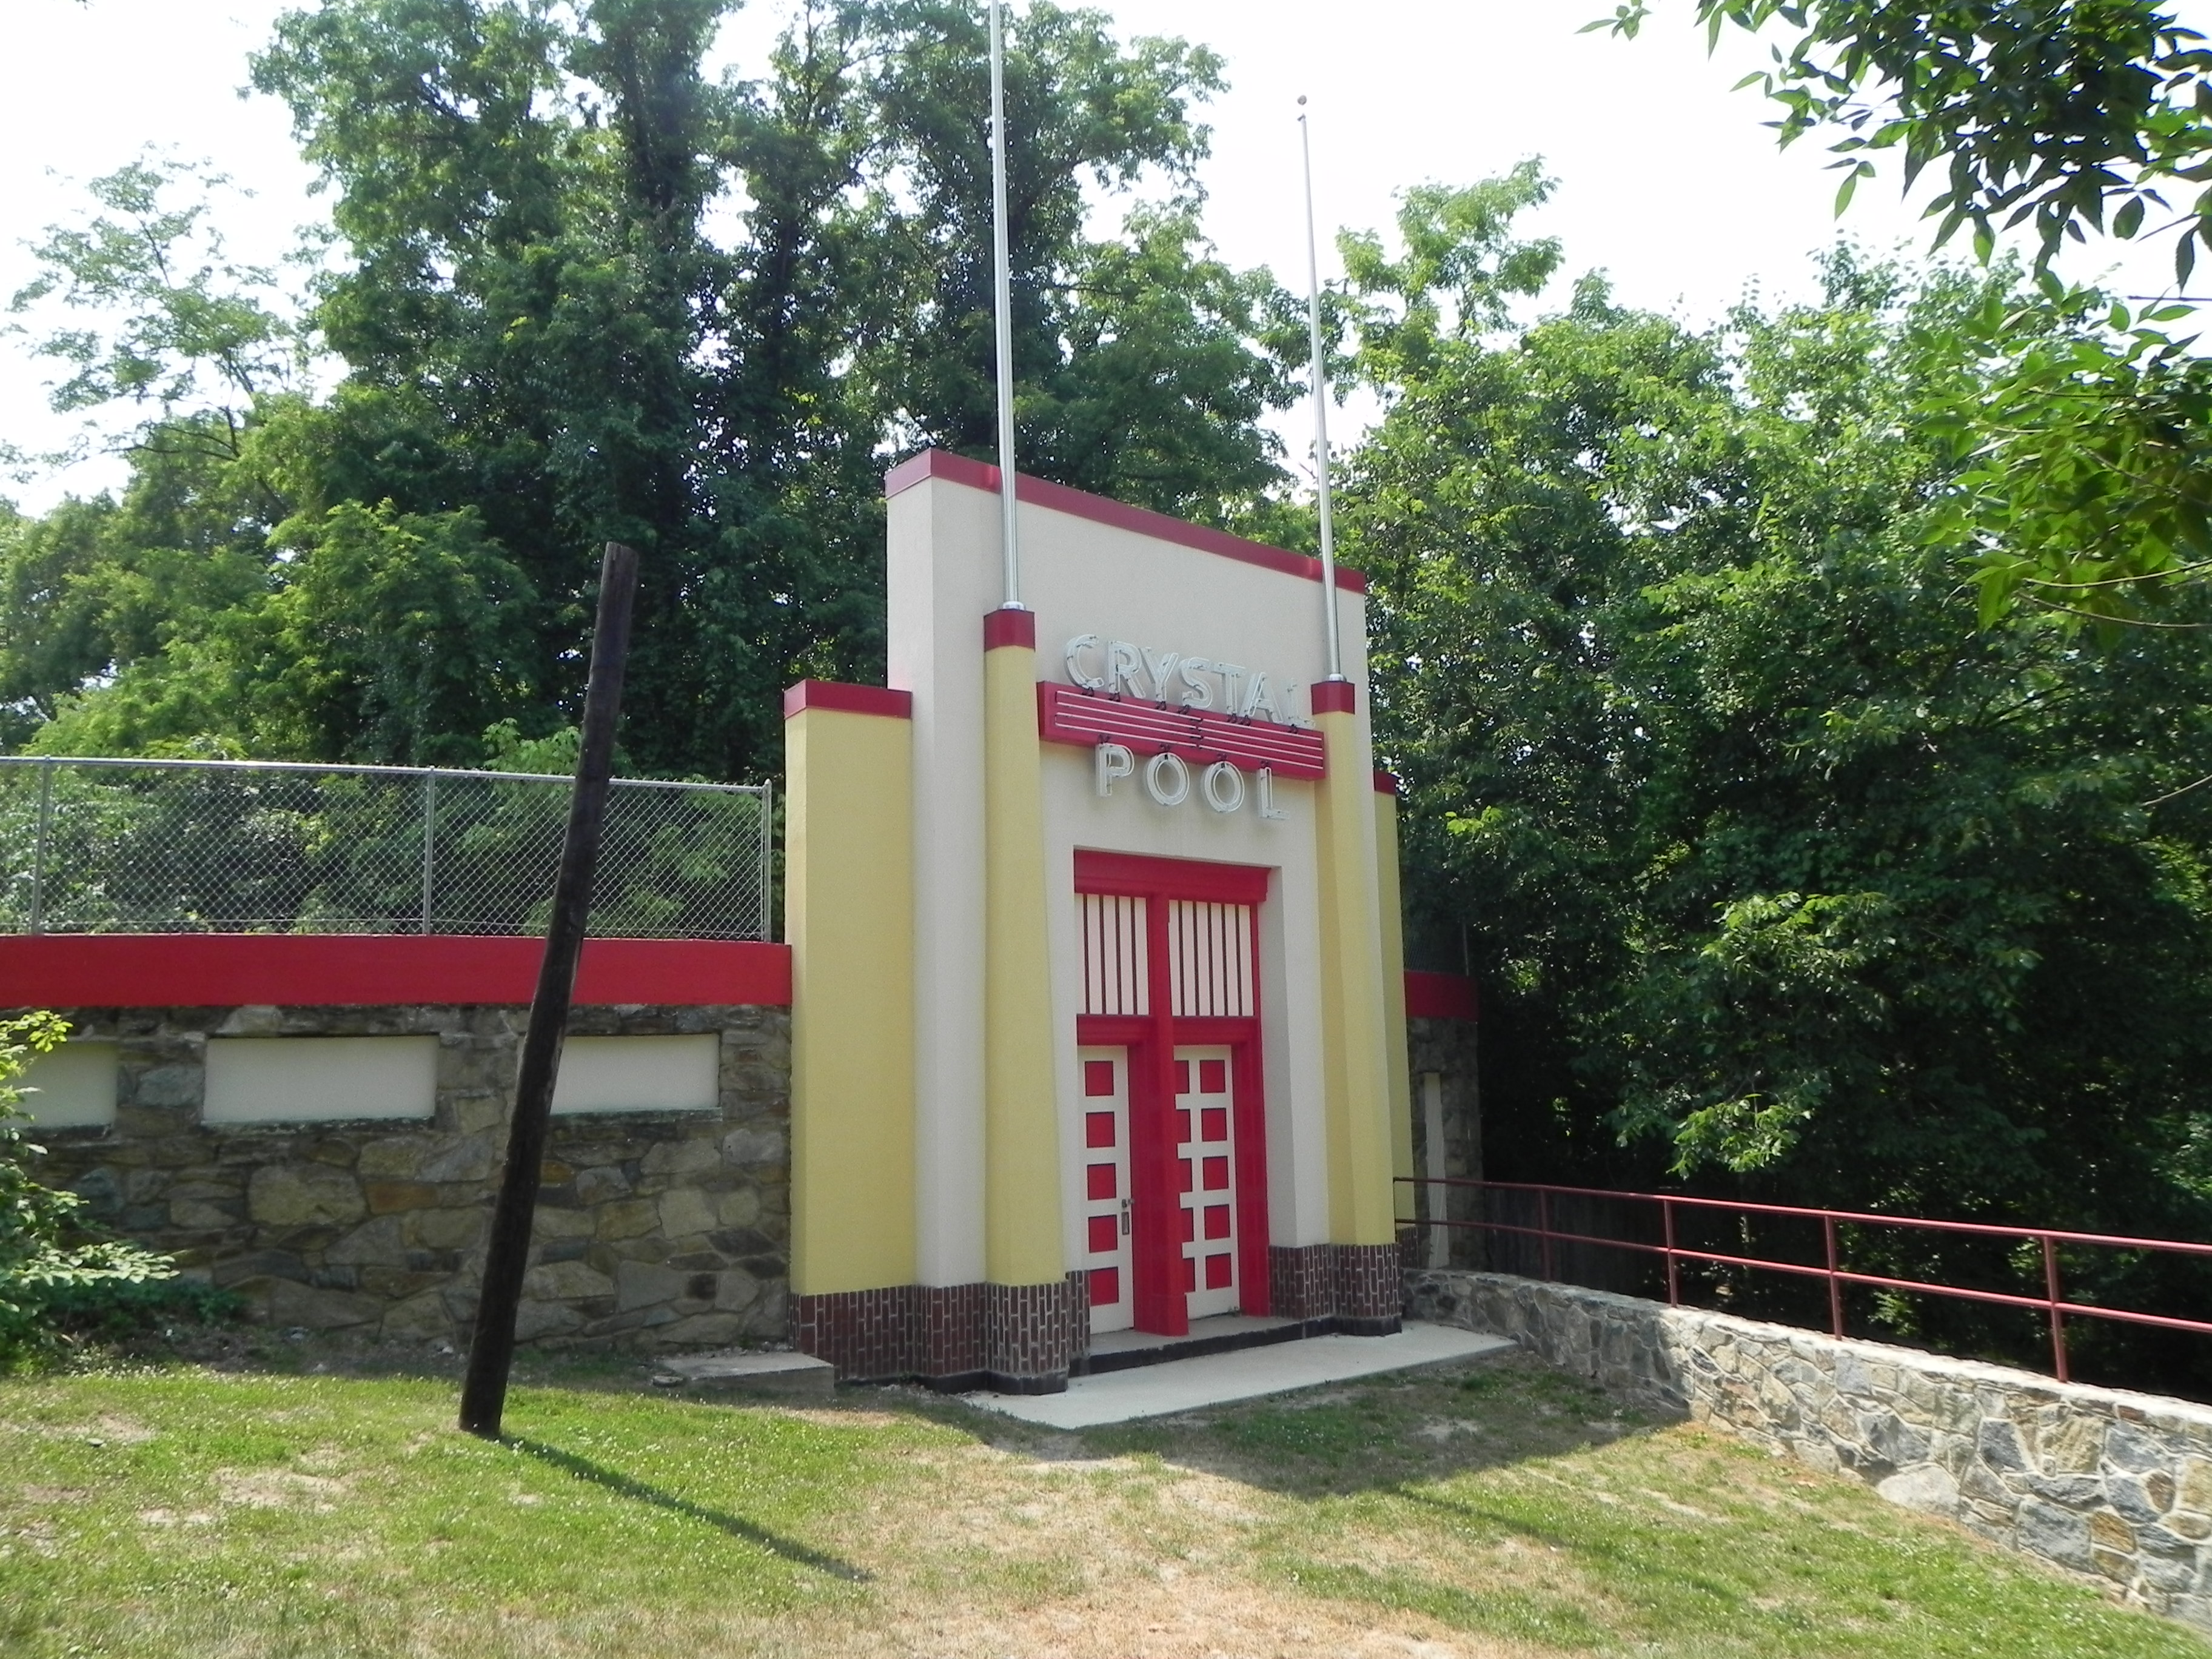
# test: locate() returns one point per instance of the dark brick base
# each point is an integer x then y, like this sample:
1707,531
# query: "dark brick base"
1026,1339
1358,1285
1020,1339
865,1335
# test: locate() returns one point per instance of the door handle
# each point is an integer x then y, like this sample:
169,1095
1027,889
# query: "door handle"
1124,1217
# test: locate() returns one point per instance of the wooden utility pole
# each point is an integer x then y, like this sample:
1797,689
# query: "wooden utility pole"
491,1351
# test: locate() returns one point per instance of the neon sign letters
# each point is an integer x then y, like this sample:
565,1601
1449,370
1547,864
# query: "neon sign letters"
1166,676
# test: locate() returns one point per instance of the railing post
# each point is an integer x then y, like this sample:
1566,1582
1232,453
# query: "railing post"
1835,1285
767,799
1544,1227
2057,1320
38,852
429,843
1674,1268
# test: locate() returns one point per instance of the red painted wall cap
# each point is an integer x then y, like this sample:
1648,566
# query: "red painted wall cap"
1386,783
1440,996
1336,698
1006,626
219,970
847,699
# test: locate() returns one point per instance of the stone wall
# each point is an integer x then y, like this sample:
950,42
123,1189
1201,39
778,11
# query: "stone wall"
2114,1486
653,1229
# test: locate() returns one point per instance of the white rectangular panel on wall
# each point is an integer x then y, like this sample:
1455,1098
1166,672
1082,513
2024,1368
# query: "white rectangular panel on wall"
1114,956
72,1088
319,1079
639,1075
1210,958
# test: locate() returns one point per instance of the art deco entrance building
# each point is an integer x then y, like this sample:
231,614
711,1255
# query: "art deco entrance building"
1098,1000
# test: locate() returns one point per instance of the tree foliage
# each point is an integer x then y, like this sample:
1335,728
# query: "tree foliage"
580,290
45,1257
2086,492
2057,113
1778,874
184,324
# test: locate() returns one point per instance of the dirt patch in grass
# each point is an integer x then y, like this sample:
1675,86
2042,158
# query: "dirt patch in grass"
1496,1510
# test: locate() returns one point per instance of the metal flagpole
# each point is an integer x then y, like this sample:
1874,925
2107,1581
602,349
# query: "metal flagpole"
1321,412
1003,305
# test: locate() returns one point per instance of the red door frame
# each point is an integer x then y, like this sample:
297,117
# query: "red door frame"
1152,1040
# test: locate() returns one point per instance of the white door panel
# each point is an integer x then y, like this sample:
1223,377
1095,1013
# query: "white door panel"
1206,1127
1105,1073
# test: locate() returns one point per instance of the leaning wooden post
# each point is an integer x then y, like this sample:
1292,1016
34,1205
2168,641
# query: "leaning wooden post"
491,1351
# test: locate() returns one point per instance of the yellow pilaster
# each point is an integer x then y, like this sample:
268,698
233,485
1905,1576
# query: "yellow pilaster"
1022,1242
849,909
1390,899
1353,1020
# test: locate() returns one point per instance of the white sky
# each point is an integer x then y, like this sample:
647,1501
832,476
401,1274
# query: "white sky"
1668,182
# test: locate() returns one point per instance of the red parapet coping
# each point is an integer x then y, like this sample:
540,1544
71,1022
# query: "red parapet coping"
842,699
1386,783
1440,996
1334,697
1009,626
226,970
1067,713
1100,509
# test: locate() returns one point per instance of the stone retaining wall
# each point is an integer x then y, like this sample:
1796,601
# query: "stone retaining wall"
653,1229
2114,1486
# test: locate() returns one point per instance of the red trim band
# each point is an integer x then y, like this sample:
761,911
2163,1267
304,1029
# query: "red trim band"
1081,504
1067,713
1386,783
1336,698
1440,996
840,698
302,970
1007,626
1182,878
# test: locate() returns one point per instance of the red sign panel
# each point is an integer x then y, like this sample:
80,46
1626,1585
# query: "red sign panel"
1068,714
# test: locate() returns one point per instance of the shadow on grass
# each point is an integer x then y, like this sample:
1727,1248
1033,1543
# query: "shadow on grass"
629,1486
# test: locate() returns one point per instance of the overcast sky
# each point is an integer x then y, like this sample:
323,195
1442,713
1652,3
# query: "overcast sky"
1668,182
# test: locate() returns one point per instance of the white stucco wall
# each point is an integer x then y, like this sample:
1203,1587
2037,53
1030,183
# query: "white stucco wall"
319,1079
1082,576
72,1088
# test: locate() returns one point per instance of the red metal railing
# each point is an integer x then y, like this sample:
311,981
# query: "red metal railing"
2052,1305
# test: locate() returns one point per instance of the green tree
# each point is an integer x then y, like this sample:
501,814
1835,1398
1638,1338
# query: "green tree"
2085,435
1778,874
45,1258
539,328
552,337
183,327
1143,365
95,595
2058,112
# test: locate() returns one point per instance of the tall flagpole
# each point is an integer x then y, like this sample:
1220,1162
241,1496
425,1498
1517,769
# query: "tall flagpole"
1003,308
1024,1248
1321,412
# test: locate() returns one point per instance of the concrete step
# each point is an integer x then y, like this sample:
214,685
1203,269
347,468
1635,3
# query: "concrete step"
1220,1379
759,1373
1122,1350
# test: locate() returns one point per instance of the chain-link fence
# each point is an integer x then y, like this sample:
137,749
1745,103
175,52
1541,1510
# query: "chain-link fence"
99,846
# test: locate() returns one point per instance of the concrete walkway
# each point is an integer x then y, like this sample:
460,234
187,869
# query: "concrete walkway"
1183,1385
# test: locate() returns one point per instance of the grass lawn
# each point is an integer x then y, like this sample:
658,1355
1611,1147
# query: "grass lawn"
1497,1509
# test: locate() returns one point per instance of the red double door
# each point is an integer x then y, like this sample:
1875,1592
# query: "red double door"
1174,1173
